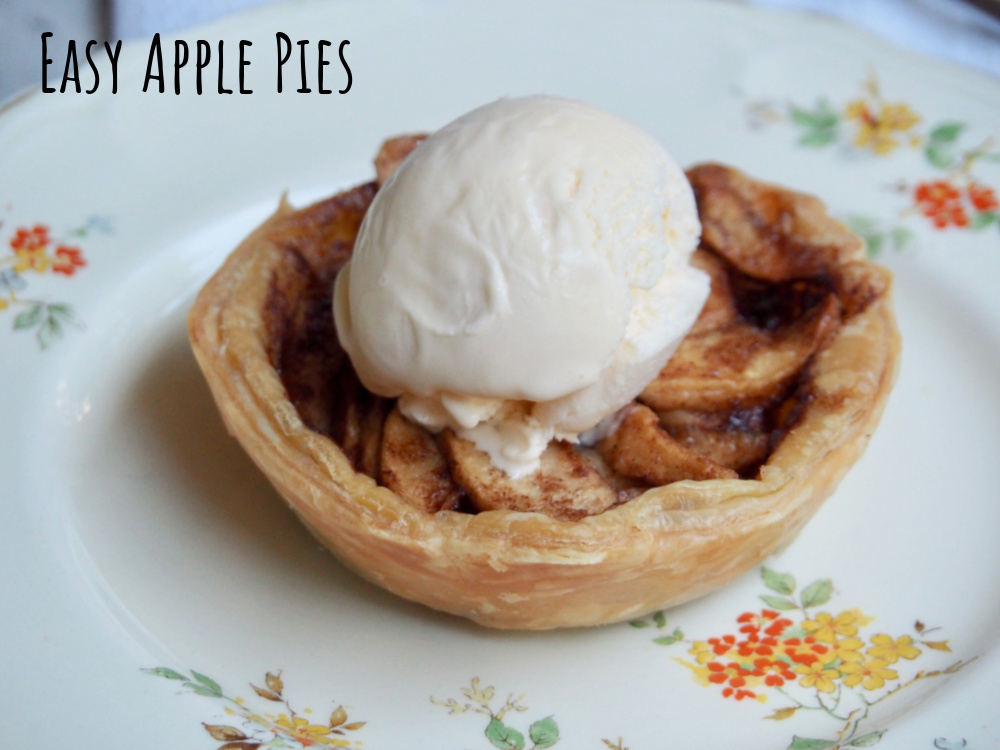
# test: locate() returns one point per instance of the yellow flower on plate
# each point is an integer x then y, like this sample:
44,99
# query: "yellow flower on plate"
306,733
884,647
826,627
871,675
477,694
702,652
879,124
699,672
848,649
32,259
818,674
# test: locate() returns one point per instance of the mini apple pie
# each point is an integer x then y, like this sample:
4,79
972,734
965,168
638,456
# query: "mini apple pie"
721,460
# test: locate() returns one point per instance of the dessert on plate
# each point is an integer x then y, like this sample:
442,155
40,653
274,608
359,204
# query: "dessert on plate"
537,376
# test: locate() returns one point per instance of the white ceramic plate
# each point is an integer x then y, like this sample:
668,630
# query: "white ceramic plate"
151,576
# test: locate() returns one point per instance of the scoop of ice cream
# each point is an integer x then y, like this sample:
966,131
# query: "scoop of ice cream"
522,275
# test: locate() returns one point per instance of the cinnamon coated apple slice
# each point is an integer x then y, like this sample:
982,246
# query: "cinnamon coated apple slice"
768,232
414,467
739,364
566,486
738,439
640,448
720,308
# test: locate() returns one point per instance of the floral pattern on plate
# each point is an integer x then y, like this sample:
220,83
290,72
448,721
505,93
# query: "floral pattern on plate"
33,250
542,732
955,196
812,661
284,729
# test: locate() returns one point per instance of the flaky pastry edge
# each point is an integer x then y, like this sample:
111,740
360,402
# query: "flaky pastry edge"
518,570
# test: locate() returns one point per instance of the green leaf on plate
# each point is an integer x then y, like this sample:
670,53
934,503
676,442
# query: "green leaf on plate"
867,740
939,155
947,132
204,685
669,640
61,310
50,330
544,732
778,602
901,238
783,583
660,618
861,224
805,743
823,116
817,593
803,117
30,317
502,736
202,690
982,220
873,244
170,674
206,681
818,138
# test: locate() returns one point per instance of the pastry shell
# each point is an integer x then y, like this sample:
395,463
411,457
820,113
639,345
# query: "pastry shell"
512,569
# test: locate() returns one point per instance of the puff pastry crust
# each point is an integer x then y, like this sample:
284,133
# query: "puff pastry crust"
527,570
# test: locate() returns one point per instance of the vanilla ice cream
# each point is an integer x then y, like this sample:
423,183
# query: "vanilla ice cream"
522,276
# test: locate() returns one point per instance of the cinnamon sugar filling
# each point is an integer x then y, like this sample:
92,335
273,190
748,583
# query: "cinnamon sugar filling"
738,383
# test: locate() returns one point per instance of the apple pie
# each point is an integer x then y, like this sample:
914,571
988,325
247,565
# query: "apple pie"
721,460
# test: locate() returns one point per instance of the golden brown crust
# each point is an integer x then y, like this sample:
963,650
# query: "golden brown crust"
513,569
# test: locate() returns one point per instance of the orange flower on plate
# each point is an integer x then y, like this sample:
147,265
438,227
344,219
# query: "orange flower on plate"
816,660
983,198
67,260
30,239
768,620
733,676
941,202
722,645
29,247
